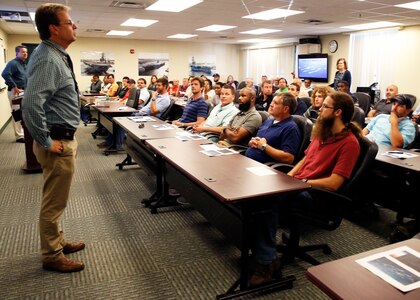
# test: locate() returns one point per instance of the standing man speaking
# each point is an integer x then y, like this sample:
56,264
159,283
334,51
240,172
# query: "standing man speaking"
14,75
51,113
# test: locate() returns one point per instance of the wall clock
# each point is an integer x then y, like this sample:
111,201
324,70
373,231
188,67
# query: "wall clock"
332,46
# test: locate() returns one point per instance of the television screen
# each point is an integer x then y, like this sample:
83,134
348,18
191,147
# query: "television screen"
313,67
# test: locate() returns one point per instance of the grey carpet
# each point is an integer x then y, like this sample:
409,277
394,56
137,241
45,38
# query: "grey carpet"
130,253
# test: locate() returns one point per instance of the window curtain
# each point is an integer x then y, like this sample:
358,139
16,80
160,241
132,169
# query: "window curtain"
273,62
371,58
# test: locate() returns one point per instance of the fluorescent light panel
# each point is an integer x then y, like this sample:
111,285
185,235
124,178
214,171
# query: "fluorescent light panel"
173,5
181,36
410,5
253,41
215,28
138,22
260,31
119,32
272,14
373,25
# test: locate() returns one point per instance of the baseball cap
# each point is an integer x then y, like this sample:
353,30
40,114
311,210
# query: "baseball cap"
403,100
216,75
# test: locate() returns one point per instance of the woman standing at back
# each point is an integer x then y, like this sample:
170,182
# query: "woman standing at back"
342,73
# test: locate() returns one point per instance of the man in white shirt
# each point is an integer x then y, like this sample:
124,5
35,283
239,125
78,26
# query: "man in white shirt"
143,94
220,115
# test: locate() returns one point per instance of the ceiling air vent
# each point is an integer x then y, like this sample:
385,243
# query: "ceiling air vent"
95,30
15,16
127,4
314,22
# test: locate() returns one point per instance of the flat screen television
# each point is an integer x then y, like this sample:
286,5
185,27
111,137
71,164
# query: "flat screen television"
313,66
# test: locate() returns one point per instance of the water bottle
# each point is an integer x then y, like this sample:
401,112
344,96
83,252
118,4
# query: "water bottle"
107,97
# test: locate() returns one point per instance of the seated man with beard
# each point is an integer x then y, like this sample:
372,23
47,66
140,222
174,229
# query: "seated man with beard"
329,161
245,123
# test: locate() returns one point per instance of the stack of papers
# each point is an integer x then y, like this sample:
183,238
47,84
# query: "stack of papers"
141,119
188,136
399,154
211,149
164,127
399,267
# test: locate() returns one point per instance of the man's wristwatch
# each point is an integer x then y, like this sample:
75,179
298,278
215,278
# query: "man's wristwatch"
263,146
305,179
153,99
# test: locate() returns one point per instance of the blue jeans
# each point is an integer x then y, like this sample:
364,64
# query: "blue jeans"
266,225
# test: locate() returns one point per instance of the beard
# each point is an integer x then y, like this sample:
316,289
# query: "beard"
323,128
244,106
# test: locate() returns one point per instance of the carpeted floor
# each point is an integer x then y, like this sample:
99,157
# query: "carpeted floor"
130,253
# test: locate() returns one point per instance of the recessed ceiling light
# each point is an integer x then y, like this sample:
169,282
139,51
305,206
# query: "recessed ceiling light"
273,14
260,31
138,22
216,28
410,5
119,32
173,5
253,41
181,36
372,25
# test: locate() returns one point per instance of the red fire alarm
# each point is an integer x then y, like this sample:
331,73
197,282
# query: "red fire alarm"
131,51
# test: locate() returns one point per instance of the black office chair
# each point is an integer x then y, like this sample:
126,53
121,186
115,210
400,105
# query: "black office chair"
241,85
364,101
133,100
359,116
307,101
164,116
329,211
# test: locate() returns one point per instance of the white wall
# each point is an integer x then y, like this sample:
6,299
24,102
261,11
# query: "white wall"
227,61
405,62
4,101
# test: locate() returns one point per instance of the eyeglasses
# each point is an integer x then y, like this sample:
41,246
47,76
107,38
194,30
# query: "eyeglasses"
69,22
326,106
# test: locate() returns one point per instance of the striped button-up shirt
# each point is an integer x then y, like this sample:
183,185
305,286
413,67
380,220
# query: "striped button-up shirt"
51,98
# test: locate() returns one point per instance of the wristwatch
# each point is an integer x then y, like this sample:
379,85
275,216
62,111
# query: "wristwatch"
153,99
305,179
263,146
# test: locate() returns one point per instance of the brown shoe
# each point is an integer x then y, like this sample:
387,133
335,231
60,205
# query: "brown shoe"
73,247
63,265
264,273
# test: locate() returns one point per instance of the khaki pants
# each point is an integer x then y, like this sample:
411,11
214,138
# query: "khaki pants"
17,126
58,172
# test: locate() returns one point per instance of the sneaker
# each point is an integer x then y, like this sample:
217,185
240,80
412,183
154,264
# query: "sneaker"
265,273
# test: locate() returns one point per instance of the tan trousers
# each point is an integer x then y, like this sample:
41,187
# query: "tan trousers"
57,170
17,126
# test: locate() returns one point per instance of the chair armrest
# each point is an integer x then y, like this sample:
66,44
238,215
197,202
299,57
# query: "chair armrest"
240,148
285,168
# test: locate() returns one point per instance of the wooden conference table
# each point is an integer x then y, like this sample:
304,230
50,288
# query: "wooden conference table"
346,279
225,191
411,164
105,118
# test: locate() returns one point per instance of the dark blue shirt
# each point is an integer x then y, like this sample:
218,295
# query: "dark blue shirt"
193,110
301,107
14,74
284,135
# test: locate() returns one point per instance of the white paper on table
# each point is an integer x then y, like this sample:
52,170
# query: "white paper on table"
399,154
139,119
210,146
186,136
261,171
164,127
399,267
